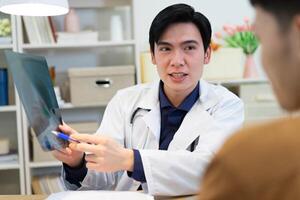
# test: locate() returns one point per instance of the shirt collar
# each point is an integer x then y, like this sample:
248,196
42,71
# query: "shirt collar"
187,103
163,99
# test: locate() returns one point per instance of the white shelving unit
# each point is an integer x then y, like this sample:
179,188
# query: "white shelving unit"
85,45
237,82
259,100
6,46
8,108
10,165
68,106
94,14
12,172
45,164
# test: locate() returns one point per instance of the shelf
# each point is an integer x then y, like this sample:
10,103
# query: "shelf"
8,108
235,82
84,45
45,164
98,4
6,46
9,165
71,106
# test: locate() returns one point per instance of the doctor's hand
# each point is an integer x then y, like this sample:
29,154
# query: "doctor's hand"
67,155
105,154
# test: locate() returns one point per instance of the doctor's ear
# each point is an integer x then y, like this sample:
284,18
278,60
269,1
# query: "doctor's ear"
153,58
207,55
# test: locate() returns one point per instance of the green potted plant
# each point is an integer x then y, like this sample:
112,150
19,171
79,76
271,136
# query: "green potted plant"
5,31
241,36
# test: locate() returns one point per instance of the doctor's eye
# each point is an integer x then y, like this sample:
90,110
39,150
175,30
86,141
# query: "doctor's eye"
190,47
164,48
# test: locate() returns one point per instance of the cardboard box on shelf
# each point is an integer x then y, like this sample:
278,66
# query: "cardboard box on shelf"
97,85
84,127
38,155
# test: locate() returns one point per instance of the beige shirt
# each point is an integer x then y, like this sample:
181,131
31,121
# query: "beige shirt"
257,163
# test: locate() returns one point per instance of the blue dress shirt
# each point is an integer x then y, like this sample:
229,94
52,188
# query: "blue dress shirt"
171,119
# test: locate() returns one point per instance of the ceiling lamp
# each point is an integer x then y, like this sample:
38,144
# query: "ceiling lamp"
34,7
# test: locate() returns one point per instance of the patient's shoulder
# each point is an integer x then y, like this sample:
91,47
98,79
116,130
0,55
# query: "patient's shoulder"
266,137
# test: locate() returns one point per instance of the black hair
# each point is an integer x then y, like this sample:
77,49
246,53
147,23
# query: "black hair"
179,13
282,10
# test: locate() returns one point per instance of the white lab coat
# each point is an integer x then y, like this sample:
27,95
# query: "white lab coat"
177,171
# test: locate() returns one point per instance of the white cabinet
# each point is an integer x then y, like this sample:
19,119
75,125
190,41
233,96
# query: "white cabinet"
260,102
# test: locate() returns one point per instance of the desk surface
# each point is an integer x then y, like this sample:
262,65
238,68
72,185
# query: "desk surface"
43,197
23,197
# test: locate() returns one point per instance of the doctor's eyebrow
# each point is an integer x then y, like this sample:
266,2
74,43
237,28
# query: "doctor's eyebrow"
190,42
163,43
183,43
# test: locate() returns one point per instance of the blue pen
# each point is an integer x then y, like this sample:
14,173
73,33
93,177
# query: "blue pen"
64,136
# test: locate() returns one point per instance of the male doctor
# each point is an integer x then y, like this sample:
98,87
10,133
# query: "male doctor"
161,135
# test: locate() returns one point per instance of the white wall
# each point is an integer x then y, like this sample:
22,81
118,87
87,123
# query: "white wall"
219,12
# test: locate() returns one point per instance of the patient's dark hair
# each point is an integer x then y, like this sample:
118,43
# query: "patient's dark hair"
179,13
282,10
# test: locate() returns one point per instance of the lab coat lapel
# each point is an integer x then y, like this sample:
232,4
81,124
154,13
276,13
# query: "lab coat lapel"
197,120
152,118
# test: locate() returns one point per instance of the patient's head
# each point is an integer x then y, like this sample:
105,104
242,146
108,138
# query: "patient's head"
277,25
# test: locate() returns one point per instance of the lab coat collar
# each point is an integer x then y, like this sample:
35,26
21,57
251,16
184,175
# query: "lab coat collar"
206,100
151,100
197,121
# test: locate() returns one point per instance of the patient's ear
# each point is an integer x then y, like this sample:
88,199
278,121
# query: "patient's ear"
297,19
297,39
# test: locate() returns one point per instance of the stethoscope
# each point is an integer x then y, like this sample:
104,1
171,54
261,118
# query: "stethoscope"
135,112
139,109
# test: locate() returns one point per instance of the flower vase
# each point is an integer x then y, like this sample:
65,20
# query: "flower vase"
250,70
71,22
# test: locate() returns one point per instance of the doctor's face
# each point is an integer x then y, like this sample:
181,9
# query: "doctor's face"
280,56
179,57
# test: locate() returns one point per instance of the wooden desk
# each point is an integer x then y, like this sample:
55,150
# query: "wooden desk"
23,197
43,197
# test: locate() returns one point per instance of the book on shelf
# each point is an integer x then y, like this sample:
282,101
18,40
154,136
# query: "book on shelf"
39,30
47,184
53,29
77,37
148,69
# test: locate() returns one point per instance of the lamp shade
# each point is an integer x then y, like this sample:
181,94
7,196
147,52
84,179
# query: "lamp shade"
34,7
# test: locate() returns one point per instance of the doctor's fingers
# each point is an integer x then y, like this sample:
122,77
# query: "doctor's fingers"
100,166
65,151
93,158
59,155
93,139
94,149
67,129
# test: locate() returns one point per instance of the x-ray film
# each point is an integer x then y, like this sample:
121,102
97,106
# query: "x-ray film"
31,77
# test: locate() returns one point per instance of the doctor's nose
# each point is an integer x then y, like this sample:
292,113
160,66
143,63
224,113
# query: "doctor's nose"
177,59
